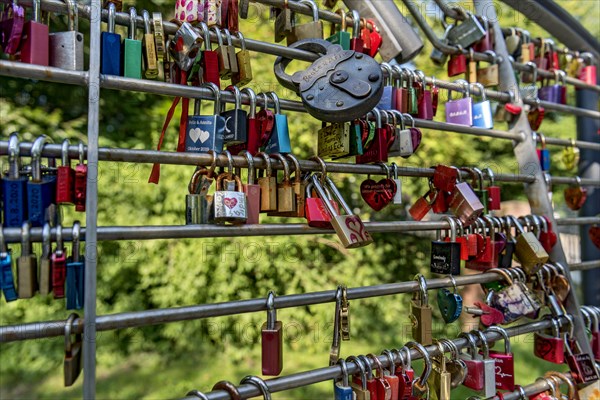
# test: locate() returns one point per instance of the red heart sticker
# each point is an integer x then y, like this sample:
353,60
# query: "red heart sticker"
378,194
230,202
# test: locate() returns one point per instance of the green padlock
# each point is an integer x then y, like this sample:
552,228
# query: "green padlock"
132,50
343,36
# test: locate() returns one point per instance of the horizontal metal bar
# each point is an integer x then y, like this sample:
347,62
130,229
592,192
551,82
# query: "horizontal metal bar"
585,265
568,143
165,157
578,221
38,330
293,381
571,180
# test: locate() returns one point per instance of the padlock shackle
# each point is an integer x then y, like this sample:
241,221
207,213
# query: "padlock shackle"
25,239
534,70
217,32
453,227
73,15
297,168
471,343
390,357
237,94
286,166
217,95
132,23
394,168
367,365
422,380
268,170
75,241
375,112
442,355
14,156
271,311
362,369
228,36
3,249
110,23
356,24
337,195
502,331
36,157
313,6
46,241
378,364
259,383
344,368
81,152
390,75
423,289
342,13
405,357
276,103
64,151
252,96
484,346
206,36
242,39
481,91
68,329
250,160
59,240
147,24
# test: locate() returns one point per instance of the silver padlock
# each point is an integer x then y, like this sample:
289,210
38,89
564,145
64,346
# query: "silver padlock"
230,205
438,57
66,48
349,227
467,32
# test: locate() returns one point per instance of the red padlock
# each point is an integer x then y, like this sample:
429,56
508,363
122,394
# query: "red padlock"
439,200
377,152
550,348
210,59
457,64
419,210
376,39
406,375
445,177
59,266
356,42
494,196
588,74
65,178
315,212
253,125
81,171
35,39
390,375
382,385
505,364
272,340
475,369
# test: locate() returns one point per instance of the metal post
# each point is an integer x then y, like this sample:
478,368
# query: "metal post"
537,192
91,206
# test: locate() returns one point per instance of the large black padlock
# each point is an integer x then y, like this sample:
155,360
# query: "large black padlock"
340,86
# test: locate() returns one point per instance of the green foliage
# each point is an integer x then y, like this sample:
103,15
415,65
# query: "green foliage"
165,361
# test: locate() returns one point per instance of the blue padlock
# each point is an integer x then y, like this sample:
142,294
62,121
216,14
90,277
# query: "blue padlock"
388,98
110,45
7,281
41,189
205,132
279,142
14,187
543,154
482,111
75,273
342,389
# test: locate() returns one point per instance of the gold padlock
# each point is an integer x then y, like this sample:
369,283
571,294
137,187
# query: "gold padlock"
72,362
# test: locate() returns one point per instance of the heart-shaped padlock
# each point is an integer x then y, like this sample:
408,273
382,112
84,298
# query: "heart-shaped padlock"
378,194
575,196
450,304
339,86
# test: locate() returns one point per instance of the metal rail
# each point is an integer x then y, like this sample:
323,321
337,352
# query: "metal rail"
585,266
292,381
133,319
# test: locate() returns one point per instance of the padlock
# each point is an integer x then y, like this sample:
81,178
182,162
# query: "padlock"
505,365
14,187
468,32
222,55
514,300
35,40
341,37
479,190
420,387
345,96
575,195
66,48
390,375
413,100
27,278
11,28
375,38
472,67
72,364
475,378
45,281
528,250
441,385
198,204
581,364
229,205
378,194
310,30
494,192
244,75
450,303
7,282
457,64
535,117
191,11
423,205
272,340
489,366
59,266
212,12
445,256
209,59
252,191
397,199
184,48
482,111
333,141
342,389
284,22
159,42
81,171
268,186
359,384
356,41
487,42
231,55
424,96
437,56
387,100
75,279
149,49
236,130
65,177
349,228
205,132
279,141
460,111
405,374
370,379
132,50
334,352
376,152
465,204
490,75
41,189
383,387
588,74
315,212
299,189
286,199
401,95
421,313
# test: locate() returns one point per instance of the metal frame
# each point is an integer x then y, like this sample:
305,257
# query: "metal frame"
520,133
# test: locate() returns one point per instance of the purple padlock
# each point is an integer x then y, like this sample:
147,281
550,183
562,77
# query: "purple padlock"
460,111
11,28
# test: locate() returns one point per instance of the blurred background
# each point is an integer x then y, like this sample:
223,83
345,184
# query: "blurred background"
166,361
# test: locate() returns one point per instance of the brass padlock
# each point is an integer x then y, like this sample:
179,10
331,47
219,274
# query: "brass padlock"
45,262
27,281
72,363
311,30
421,313
528,250
268,186
286,198
441,385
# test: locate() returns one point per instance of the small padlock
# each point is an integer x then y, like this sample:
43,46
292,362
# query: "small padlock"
66,48
149,49
73,350
475,378
286,199
132,49
230,48
279,141
334,352
244,75
465,204
198,205
349,227
490,75
236,129
314,211
11,28
212,12
421,313
209,59
284,22
581,364
494,192
575,195
342,389
441,385
229,205
550,347
445,256
81,172
437,56
423,205
505,365
450,303
183,48
272,340
299,188
205,133
45,280
528,250
489,367
159,42
310,30
59,266
482,111
27,278
387,101
65,177
468,32
383,387
252,191
75,279
7,282
460,111
222,55
359,385
333,141
341,37
14,187
35,40
376,152
268,186
41,189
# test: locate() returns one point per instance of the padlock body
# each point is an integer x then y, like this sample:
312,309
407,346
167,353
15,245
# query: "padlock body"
27,279
505,370
80,187
422,323
236,129
549,348
272,349
59,274
14,194
72,364
351,231
341,392
530,252
204,133
7,282
34,43
582,368
65,185
253,199
75,284
132,58
45,281
40,197
475,378
494,197
482,115
445,258
465,204
230,206
279,142
66,50
110,47
197,209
